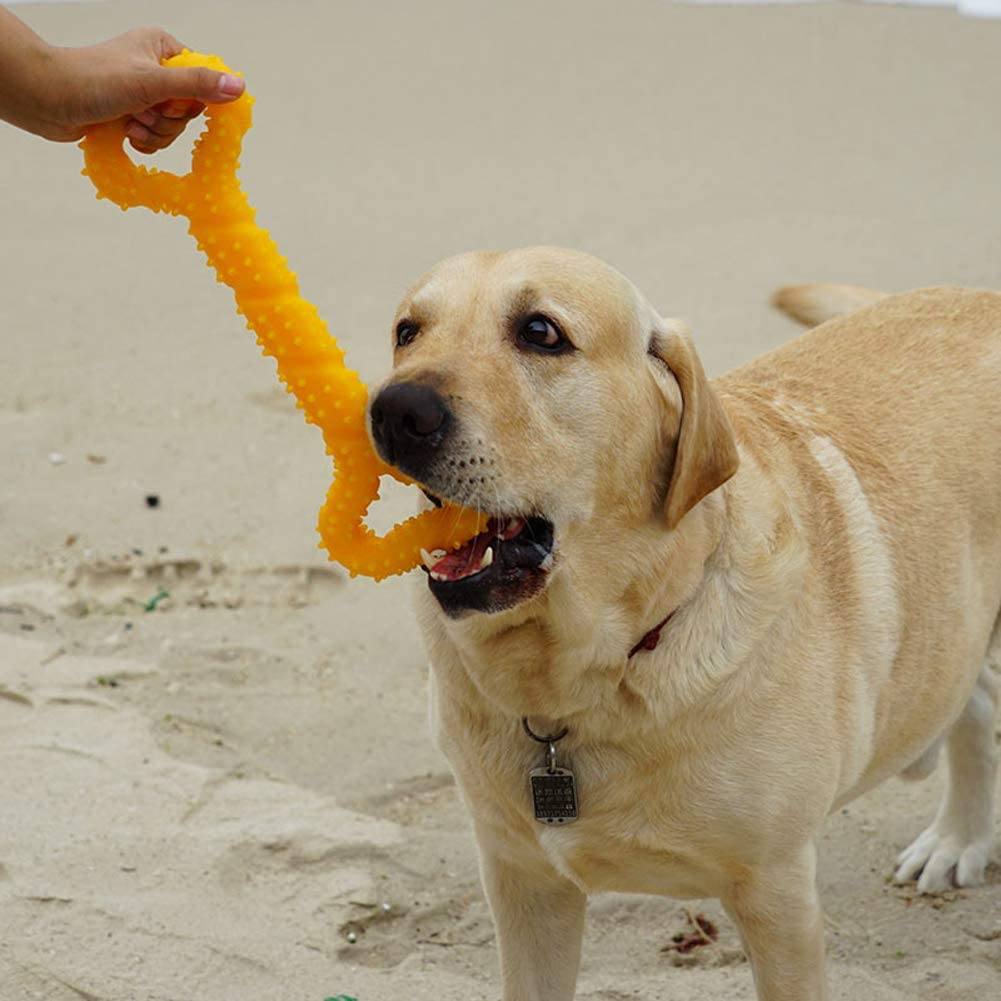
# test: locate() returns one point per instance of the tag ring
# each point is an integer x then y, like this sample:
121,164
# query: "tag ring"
544,740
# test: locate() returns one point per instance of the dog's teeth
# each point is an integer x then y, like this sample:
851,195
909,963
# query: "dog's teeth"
438,576
513,524
488,558
430,558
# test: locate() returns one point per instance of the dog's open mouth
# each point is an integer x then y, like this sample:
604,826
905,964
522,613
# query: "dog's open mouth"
498,568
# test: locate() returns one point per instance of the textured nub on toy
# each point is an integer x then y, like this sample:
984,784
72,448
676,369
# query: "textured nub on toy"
288,327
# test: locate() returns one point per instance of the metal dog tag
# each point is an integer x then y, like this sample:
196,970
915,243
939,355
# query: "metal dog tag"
554,795
554,792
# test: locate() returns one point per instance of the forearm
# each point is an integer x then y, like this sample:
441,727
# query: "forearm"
27,67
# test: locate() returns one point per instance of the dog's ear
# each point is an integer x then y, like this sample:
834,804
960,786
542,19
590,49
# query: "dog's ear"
705,455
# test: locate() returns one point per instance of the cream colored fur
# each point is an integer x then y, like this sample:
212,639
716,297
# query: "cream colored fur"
818,302
834,599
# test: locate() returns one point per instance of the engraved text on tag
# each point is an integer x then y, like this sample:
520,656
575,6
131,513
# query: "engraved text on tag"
554,795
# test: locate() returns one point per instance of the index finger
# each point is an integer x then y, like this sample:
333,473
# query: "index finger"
167,45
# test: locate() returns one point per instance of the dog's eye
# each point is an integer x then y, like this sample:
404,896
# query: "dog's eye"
540,332
406,331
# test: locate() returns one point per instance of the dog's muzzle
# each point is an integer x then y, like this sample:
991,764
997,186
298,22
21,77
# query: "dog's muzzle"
413,429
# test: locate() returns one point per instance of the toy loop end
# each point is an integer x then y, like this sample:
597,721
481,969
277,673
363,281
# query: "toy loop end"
215,155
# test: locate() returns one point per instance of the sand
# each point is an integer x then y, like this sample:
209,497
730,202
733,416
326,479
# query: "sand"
208,799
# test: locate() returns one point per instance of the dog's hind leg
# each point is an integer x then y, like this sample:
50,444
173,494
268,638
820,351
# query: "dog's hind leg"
954,850
923,766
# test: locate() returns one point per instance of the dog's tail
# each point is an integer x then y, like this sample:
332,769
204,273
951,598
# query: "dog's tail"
817,302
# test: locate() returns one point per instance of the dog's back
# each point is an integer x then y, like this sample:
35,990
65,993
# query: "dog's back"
899,403
908,388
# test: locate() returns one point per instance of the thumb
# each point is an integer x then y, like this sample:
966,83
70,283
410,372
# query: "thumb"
194,82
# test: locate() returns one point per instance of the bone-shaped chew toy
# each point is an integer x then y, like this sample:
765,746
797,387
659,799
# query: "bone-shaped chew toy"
288,328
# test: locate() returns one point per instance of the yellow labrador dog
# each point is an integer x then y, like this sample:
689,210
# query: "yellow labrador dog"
705,614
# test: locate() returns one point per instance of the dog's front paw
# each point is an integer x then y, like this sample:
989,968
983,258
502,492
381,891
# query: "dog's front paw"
941,859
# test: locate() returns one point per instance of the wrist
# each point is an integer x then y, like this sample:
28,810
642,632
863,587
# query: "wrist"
26,85
50,85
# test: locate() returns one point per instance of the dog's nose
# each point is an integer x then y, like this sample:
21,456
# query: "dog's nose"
409,422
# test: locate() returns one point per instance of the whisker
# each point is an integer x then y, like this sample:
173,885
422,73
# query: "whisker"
498,514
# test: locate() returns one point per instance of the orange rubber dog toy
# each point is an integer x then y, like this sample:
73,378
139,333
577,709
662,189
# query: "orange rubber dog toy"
288,328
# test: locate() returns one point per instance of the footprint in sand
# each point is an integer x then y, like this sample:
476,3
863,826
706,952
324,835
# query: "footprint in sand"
132,583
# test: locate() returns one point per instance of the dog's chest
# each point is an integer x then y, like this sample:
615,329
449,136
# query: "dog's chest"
634,833
590,855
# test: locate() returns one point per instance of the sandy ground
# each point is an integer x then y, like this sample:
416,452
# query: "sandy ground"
202,801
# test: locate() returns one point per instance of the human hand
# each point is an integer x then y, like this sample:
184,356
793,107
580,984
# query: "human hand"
67,90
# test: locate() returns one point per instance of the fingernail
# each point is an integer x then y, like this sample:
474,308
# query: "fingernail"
231,86
146,117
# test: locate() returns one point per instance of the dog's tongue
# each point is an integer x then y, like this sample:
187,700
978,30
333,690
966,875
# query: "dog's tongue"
472,557
464,561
